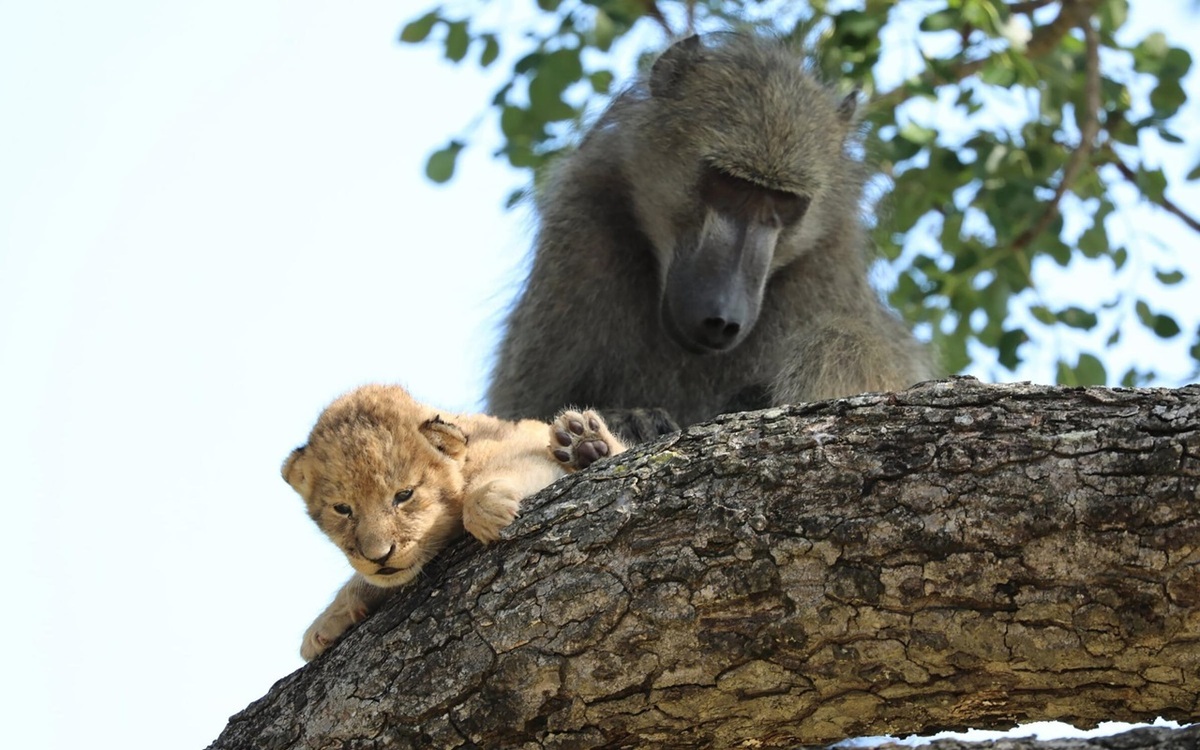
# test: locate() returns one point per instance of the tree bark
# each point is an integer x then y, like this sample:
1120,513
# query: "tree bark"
955,555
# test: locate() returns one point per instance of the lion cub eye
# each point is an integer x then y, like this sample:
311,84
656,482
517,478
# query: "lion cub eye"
342,510
401,496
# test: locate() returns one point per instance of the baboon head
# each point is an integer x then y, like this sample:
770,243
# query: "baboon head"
734,153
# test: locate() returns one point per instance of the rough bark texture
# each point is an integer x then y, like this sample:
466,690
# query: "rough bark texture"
954,555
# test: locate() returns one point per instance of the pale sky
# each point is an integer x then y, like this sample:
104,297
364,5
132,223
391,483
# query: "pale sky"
213,220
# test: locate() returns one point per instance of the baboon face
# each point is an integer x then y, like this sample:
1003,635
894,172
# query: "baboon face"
737,144
718,270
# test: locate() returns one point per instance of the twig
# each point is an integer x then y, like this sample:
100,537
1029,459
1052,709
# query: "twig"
1164,203
1089,129
1029,7
656,13
1045,38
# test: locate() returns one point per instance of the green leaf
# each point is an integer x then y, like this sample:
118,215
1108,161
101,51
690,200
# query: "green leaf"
1194,174
440,167
1169,278
1077,317
1007,347
1176,64
1167,97
601,81
1152,182
521,156
1094,242
1043,315
528,63
416,31
941,21
1149,54
515,198
545,97
1065,375
457,41
953,351
914,133
1195,350
1164,326
1113,14
1169,136
604,31
1090,371
491,50
999,71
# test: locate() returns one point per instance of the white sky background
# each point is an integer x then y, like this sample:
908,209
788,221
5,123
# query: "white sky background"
213,220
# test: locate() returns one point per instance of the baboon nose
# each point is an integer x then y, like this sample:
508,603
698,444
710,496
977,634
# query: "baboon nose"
719,333
383,558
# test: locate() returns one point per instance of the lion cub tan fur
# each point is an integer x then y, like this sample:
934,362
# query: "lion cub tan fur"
391,482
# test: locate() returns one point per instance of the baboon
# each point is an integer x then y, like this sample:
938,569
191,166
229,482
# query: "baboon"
703,252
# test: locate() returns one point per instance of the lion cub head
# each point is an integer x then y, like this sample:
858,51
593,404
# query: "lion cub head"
381,475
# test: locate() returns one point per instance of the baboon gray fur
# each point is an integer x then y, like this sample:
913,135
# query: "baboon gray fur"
702,251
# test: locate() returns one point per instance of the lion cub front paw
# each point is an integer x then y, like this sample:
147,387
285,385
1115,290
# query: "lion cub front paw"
326,630
579,439
488,509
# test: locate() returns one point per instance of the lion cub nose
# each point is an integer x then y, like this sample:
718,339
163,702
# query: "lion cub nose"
375,556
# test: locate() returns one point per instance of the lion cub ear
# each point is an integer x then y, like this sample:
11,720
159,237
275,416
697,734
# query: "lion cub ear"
447,438
297,472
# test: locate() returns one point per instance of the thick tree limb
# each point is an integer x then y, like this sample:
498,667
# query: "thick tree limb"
957,554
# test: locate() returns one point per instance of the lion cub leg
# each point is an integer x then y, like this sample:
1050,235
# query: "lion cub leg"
351,605
579,439
487,509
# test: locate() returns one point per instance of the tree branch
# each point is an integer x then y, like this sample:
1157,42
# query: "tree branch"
653,11
1028,8
1089,129
1164,203
1046,38
955,554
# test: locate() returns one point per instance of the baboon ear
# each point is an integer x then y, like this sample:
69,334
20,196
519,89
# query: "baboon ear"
447,438
848,108
298,472
671,66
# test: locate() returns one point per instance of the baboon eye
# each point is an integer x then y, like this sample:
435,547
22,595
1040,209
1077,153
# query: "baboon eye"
742,198
401,496
788,207
342,510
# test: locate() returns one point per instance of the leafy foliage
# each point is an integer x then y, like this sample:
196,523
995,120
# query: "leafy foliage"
992,123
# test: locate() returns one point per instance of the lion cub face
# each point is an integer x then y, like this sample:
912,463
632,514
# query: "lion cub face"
382,477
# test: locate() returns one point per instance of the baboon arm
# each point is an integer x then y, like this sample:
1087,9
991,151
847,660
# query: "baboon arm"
640,425
840,356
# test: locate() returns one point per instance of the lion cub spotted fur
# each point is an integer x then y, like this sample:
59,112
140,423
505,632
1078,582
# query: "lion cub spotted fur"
391,482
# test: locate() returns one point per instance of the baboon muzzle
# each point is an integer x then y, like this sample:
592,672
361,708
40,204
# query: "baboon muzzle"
714,284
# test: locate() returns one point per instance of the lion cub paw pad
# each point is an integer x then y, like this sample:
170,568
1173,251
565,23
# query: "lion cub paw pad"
580,439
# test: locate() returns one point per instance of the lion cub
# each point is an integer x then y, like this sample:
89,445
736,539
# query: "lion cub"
390,483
